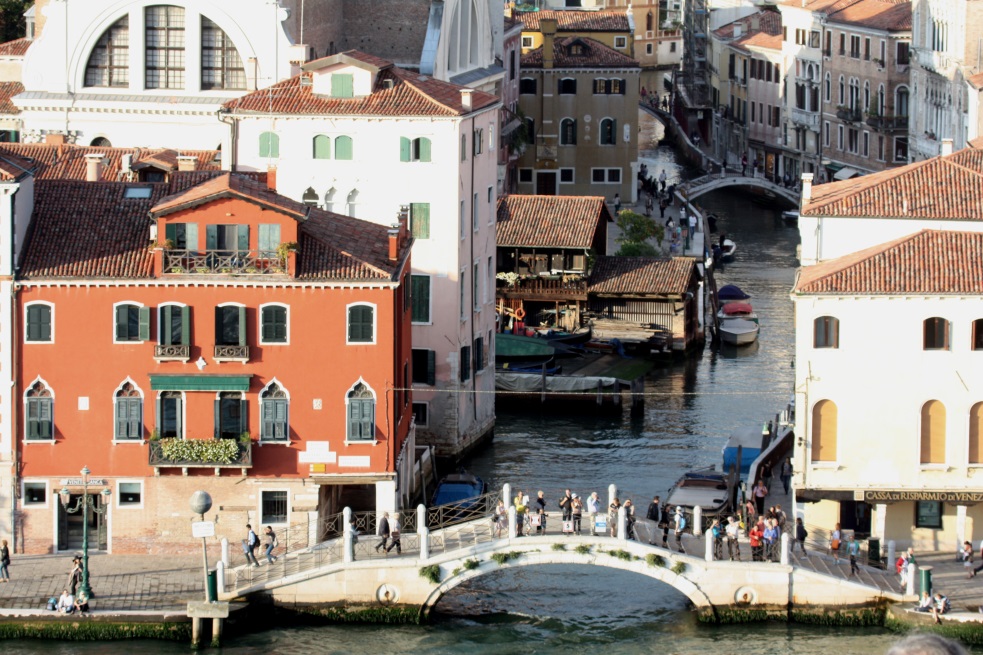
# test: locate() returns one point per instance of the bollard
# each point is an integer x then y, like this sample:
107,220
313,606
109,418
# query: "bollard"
425,544
892,554
220,577
697,521
912,570
925,580
622,524
421,517
348,554
513,524
612,493
784,555
225,551
507,494
708,555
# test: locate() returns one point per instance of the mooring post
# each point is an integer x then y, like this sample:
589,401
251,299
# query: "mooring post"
708,549
425,543
622,524
784,555
892,553
612,493
421,518
220,576
348,555
512,522
217,632
195,632
912,574
225,551
507,494
697,520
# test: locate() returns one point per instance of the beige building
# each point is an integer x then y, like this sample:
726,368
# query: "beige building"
579,98
866,88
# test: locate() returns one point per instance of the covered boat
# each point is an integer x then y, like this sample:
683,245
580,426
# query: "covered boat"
747,441
515,350
731,293
737,310
709,489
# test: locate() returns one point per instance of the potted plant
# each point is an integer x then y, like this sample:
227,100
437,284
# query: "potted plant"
284,249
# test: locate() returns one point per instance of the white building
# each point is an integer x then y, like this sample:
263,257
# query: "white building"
843,217
946,52
358,136
889,389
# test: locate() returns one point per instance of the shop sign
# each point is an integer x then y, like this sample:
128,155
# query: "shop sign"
79,482
958,497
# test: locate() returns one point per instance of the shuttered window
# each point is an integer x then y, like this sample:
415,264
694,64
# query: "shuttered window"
420,220
342,85
274,324
465,363
479,354
361,328
936,334
132,323
39,323
269,239
269,144
230,415
175,326
361,414
129,413
38,422
275,415
824,429
170,415
424,366
183,236
826,332
417,149
933,433
230,325
420,298
322,147
343,148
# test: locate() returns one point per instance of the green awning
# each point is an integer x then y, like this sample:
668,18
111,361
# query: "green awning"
200,382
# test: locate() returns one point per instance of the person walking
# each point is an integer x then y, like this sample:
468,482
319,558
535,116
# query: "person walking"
75,575
613,516
786,473
662,180
800,536
271,543
679,528
617,203
249,545
733,545
760,492
593,509
744,165
834,543
649,204
716,533
629,520
501,518
394,535
654,514
664,524
383,531
853,549
750,514
577,513
4,561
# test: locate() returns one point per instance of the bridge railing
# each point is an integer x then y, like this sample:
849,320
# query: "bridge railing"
469,509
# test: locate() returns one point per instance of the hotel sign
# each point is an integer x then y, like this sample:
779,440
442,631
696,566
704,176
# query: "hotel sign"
78,482
959,497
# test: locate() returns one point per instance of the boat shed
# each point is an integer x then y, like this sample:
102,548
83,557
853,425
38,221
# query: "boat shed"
650,305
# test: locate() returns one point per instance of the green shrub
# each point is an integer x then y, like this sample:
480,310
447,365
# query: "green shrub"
431,573
559,546
470,564
655,560
582,549
621,554
200,451
679,568
502,558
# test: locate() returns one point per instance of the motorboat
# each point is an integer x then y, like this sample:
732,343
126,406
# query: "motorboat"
731,293
727,249
738,331
709,489
577,338
458,497
742,448
737,310
790,216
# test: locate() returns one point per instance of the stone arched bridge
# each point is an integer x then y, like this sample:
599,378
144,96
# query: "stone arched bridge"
701,185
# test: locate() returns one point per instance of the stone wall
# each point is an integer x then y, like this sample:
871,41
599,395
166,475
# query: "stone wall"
391,29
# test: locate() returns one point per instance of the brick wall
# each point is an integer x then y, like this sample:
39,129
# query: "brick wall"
391,29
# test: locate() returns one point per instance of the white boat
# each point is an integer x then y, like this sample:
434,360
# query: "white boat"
738,331
736,309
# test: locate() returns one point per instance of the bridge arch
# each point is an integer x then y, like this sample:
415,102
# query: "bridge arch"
488,565
708,183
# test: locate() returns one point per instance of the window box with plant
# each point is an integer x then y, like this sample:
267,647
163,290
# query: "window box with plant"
200,453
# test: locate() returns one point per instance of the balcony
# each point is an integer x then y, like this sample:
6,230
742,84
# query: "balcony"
225,262
808,119
172,353
888,123
934,60
215,454
231,354
848,115
571,286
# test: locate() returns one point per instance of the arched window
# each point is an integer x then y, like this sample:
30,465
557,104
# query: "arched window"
842,86
343,148
129,413
648,22
935,334
933,433
608,131
568,132
824,428
269,144
310,197
361,414
101,142
351,201
826,332
164,53
866,95
274,424
828,88
230,415
221,65
881,109
901,101
322,147
976,434
39,421
109,61
567,86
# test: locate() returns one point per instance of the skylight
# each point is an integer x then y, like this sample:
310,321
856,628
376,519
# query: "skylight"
137,192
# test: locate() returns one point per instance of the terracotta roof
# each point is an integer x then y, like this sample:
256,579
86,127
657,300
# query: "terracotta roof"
550,221
769,23
15,48
641,275
976,80
759,40
572,20
936,262
907,191
335,247
976,143
412,94
67,162
888,15
7,91
13,166
825,6
595,55
229,185
350,56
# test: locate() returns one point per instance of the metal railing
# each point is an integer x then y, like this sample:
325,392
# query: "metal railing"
240,262
172,351
157,458
231,352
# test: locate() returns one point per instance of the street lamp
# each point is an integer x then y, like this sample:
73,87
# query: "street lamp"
85,504
201,502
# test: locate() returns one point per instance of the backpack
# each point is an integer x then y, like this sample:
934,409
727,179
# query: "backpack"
681,524
899,565
52,604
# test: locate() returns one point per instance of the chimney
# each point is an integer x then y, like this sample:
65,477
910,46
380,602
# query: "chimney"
466,98
187,162
946,147
738,29
548,28
806,189
93,167
54,139
271,178
394,242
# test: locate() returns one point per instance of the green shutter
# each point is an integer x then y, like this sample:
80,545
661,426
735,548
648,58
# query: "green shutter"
242,326
144,313
268,411
32,418
164,329
242,236
353,411
343,147
243,416
120,418
420,220
420,299
191,236
367,408
360,323
39,323
44,418
135,418
269,237
218,418
342,85
424,149
264,144
158,418
431,367
404,149
211,237
266,324
185,326
322,147
122,319
170,233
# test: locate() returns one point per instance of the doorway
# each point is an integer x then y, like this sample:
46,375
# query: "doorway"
855,515
70,525
545,183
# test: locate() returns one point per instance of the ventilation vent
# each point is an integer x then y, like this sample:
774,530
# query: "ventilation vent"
306,81
387,84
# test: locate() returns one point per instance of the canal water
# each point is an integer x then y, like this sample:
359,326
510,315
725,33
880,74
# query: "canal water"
690,409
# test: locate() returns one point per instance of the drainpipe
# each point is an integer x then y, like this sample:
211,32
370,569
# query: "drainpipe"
234,137
474,369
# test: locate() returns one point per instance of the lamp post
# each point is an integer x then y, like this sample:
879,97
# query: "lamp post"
201,502
85,504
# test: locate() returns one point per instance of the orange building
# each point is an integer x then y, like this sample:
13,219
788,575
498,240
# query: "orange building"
205,333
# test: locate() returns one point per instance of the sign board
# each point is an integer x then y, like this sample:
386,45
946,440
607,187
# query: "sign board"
79,482
957,497
201,529
204,610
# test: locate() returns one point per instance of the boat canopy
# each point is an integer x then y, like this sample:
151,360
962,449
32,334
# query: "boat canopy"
737,308
731,292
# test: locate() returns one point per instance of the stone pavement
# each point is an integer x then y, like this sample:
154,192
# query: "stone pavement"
134,583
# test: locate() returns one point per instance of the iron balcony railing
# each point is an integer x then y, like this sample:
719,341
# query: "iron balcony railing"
239,262
172,351
237,353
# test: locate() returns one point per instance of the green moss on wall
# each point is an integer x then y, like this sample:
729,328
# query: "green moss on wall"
89,630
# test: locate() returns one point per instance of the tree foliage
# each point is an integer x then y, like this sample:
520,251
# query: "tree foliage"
12,18
636,230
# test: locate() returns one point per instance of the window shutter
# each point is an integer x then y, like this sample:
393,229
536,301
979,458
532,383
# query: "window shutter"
243,416
170,233
343,147
367,419
420,220
322,147
465,363
44,323
33,324
33,421
268,411
404,149
218,418
120,418
353,411
191,236
280,324
122,318
144,314
242,232
424,149
282,425
420,299
211,237
44,418
219,323
264,144
242,326
164,332
431,367
135,418
158,410
266,324
185,326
